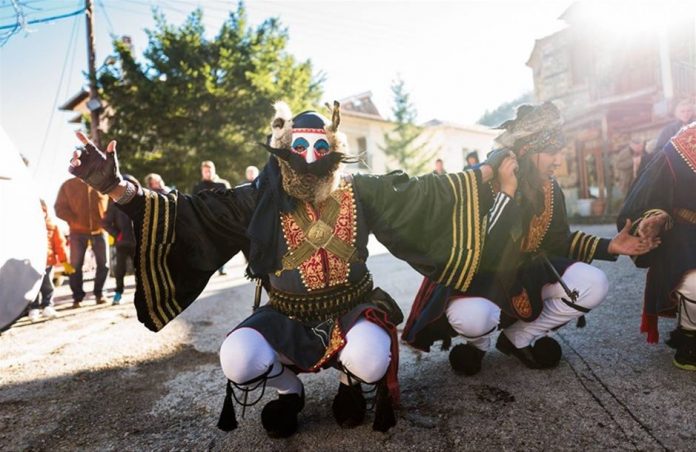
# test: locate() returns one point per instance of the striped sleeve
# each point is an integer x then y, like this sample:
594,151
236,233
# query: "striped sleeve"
499,204
180,242
587,247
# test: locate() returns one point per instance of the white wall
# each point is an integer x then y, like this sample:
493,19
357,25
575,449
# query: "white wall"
449,141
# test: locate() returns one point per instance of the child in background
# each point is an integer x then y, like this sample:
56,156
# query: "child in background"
55,254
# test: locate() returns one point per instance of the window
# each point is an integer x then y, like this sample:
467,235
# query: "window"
363,155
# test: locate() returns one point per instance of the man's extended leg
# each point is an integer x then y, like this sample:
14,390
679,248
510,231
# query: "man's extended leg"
78,247
100,255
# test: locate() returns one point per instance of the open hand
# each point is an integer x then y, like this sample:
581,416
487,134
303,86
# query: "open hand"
630,245
98,169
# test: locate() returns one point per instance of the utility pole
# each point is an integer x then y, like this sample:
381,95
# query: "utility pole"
93,104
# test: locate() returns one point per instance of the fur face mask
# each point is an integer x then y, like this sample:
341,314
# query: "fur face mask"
310,150
308,187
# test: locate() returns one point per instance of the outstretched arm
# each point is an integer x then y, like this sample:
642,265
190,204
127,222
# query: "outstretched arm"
432,222
181,240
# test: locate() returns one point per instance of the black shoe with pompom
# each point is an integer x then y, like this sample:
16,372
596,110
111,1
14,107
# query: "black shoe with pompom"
466,359
279,417
547,352
544,354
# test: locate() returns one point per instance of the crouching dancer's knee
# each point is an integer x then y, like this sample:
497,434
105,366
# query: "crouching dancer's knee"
367,353
591,281
473,317
245,355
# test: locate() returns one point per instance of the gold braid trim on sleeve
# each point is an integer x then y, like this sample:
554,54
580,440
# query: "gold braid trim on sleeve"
156,239
467,239
583,246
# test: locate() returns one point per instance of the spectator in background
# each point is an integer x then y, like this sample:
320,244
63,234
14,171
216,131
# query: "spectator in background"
471,160
83,208
627,164
251,173
154,182
55,255
120,226
439,167
683,115
209,179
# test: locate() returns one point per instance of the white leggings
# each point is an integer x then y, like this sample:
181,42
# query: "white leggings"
475,318
687,308
245,355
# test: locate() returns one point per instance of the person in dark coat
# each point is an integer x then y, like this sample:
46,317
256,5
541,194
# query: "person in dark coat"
683,115
120,226
662,204
529,253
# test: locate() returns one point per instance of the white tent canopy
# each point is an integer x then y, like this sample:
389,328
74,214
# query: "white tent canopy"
23,239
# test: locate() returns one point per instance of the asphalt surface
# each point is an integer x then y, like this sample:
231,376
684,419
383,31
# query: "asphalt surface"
96,379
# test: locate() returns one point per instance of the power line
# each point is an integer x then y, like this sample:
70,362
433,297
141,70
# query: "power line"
71,43
106,16
36,11
46,19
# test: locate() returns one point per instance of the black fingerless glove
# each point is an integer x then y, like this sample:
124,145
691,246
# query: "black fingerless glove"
97,169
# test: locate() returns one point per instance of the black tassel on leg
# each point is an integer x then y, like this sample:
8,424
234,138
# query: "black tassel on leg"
228,419
384,409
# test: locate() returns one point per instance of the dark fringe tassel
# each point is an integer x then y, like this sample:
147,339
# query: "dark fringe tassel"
384,409
228,419
582,322
446,343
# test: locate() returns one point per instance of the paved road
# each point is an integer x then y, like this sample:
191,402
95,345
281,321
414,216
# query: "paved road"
97,379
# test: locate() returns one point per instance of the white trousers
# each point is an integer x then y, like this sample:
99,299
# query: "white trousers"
687,305
245,355
476,318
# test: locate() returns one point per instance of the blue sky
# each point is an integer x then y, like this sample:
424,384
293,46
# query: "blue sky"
457,58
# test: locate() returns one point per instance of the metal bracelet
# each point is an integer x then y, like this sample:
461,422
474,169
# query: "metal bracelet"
128,194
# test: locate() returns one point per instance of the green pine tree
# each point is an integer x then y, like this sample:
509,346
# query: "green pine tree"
195,98
401,145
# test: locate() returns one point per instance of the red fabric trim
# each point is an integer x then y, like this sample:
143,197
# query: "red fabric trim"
380,318
422,297
648,324
685,144
309,131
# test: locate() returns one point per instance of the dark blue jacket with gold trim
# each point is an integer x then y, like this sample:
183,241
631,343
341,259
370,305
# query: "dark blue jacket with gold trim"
667,185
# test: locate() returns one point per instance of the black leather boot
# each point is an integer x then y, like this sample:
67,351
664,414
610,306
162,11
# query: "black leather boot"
685,358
